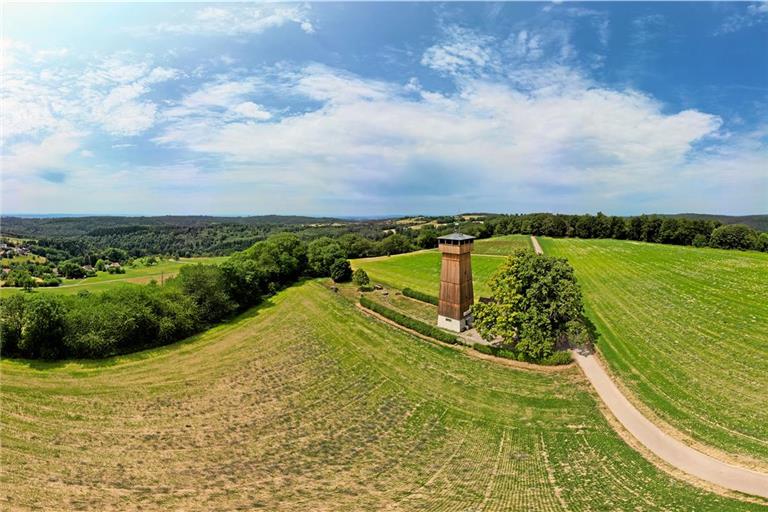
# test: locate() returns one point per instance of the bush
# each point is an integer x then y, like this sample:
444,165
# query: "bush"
322,254
554,359
43,327
700,241
11,322
410,323
733,236
205,284
341,271
761,243
423,297
557,358
360,277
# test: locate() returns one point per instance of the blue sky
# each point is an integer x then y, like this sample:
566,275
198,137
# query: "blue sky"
385,108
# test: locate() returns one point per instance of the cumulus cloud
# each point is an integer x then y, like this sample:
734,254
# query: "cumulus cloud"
380,136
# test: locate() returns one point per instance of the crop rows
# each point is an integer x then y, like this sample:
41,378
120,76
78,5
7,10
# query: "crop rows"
687,331
502,245
307,404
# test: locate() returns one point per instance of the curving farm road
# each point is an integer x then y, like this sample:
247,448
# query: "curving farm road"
666,447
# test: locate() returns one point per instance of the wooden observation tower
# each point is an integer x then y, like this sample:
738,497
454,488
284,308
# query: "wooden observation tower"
456,294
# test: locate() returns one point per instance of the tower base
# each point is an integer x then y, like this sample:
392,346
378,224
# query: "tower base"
454,325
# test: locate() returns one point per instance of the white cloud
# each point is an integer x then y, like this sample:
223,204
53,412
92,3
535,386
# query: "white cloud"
129,118
220,94
86,153
460,51
753,14
50,153
252,110
379,141
231,21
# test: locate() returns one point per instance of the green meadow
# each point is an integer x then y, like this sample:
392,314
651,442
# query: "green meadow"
140,274
306,403
421,270
686,331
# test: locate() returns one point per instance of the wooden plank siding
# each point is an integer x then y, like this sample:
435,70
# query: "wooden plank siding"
456,291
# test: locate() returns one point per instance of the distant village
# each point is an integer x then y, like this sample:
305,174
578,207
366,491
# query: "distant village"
23,268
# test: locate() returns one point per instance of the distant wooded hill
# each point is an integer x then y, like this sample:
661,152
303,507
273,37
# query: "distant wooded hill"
77,226
758,222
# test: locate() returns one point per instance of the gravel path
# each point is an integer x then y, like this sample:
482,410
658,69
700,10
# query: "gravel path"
666,447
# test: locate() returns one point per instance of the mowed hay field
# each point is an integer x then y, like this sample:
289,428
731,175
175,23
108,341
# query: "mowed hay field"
686,330
502,245
138,275
308,404
421,270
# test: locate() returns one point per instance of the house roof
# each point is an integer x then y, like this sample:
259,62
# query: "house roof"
456,236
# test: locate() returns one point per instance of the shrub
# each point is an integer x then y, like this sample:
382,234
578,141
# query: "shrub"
410,323
322,254
42,328
206,286
423,297
341,271
360,277
366,288
554,359
700,241
11,322
71,269
733,236
761,243
557,358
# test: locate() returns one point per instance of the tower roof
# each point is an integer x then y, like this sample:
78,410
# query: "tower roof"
456,236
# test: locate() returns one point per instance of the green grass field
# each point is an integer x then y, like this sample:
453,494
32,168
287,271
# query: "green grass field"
421,270
502,245
307,404
686,330
103,281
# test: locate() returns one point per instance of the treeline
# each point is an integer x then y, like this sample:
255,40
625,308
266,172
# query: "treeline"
645,228
132,317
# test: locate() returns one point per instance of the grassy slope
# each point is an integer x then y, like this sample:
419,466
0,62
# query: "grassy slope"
104,280
502,245
307,404
686,330
421,270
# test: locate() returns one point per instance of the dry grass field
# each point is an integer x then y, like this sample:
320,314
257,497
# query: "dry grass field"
305,403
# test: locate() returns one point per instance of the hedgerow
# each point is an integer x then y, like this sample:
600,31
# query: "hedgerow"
554,359
423,297
131,317
406,321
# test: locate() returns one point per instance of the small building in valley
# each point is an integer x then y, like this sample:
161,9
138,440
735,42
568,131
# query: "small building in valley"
456,293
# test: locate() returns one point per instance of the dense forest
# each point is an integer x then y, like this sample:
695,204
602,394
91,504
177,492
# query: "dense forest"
645,228
85,239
